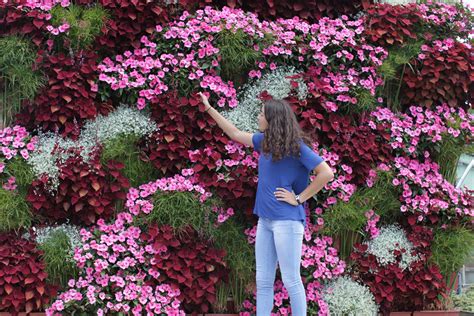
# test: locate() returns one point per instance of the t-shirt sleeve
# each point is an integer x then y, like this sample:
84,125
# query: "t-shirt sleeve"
257,141
309,158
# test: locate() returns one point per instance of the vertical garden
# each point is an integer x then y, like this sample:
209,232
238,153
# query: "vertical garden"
120,196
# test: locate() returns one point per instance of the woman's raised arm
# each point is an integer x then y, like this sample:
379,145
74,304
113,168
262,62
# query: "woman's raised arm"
233,132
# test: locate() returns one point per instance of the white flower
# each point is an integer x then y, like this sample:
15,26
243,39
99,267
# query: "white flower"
52,149
244,116
392,238
347,297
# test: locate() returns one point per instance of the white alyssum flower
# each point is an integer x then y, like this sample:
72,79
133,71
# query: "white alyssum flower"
276,83
43,234
391,238
52,149
347,297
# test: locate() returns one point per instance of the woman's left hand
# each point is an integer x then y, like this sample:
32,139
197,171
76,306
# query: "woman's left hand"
284,195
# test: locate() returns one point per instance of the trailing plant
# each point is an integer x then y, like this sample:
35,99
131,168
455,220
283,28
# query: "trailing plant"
84,24
18,78
15,212
58,245
238,55
125,150
451,248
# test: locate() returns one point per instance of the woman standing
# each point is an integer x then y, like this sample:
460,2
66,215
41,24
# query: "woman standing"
285,163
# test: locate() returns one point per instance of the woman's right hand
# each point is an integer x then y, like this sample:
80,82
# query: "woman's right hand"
205,101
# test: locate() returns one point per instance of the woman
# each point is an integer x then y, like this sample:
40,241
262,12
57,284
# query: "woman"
285,163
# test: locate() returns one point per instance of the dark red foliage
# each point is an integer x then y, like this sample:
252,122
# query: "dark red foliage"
87,192
67,99
129,20
350,138
183,127
190,263
442,77
15,21
402,290
22,277
387,25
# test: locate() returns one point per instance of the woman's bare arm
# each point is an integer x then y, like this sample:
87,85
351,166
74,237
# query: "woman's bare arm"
233,132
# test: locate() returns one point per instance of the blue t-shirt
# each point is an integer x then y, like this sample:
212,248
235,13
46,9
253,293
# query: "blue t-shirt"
291,173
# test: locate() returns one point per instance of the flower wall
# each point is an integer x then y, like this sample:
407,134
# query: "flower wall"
114,144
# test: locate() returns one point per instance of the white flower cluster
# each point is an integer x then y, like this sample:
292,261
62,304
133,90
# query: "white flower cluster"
347,297
52,149
71,231
391,238
276,83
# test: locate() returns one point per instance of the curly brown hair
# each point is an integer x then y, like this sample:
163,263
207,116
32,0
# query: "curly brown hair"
283,135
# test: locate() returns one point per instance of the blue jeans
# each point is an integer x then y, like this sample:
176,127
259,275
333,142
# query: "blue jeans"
279,240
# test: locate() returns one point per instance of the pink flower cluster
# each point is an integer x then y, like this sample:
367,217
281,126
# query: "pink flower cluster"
223,214
58,30
136,198
14,142
190,54
114,275
415,131
446,15
116,264
237,155
372,220
44,5
426,193
339,188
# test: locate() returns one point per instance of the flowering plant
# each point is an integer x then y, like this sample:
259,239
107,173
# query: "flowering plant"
418,130
115,274
427,196
14,142
293,42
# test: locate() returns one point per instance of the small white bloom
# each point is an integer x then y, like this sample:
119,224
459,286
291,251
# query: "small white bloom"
347,297
392,238
276,83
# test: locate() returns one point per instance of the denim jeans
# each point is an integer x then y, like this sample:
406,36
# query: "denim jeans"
279,241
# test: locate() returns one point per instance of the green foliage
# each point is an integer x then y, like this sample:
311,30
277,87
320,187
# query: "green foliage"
451,248
18,80
465,302
14,211
346,221
393,69
58,259
382,197
85,23
238,54
239,257
125,150
23,173
179,210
